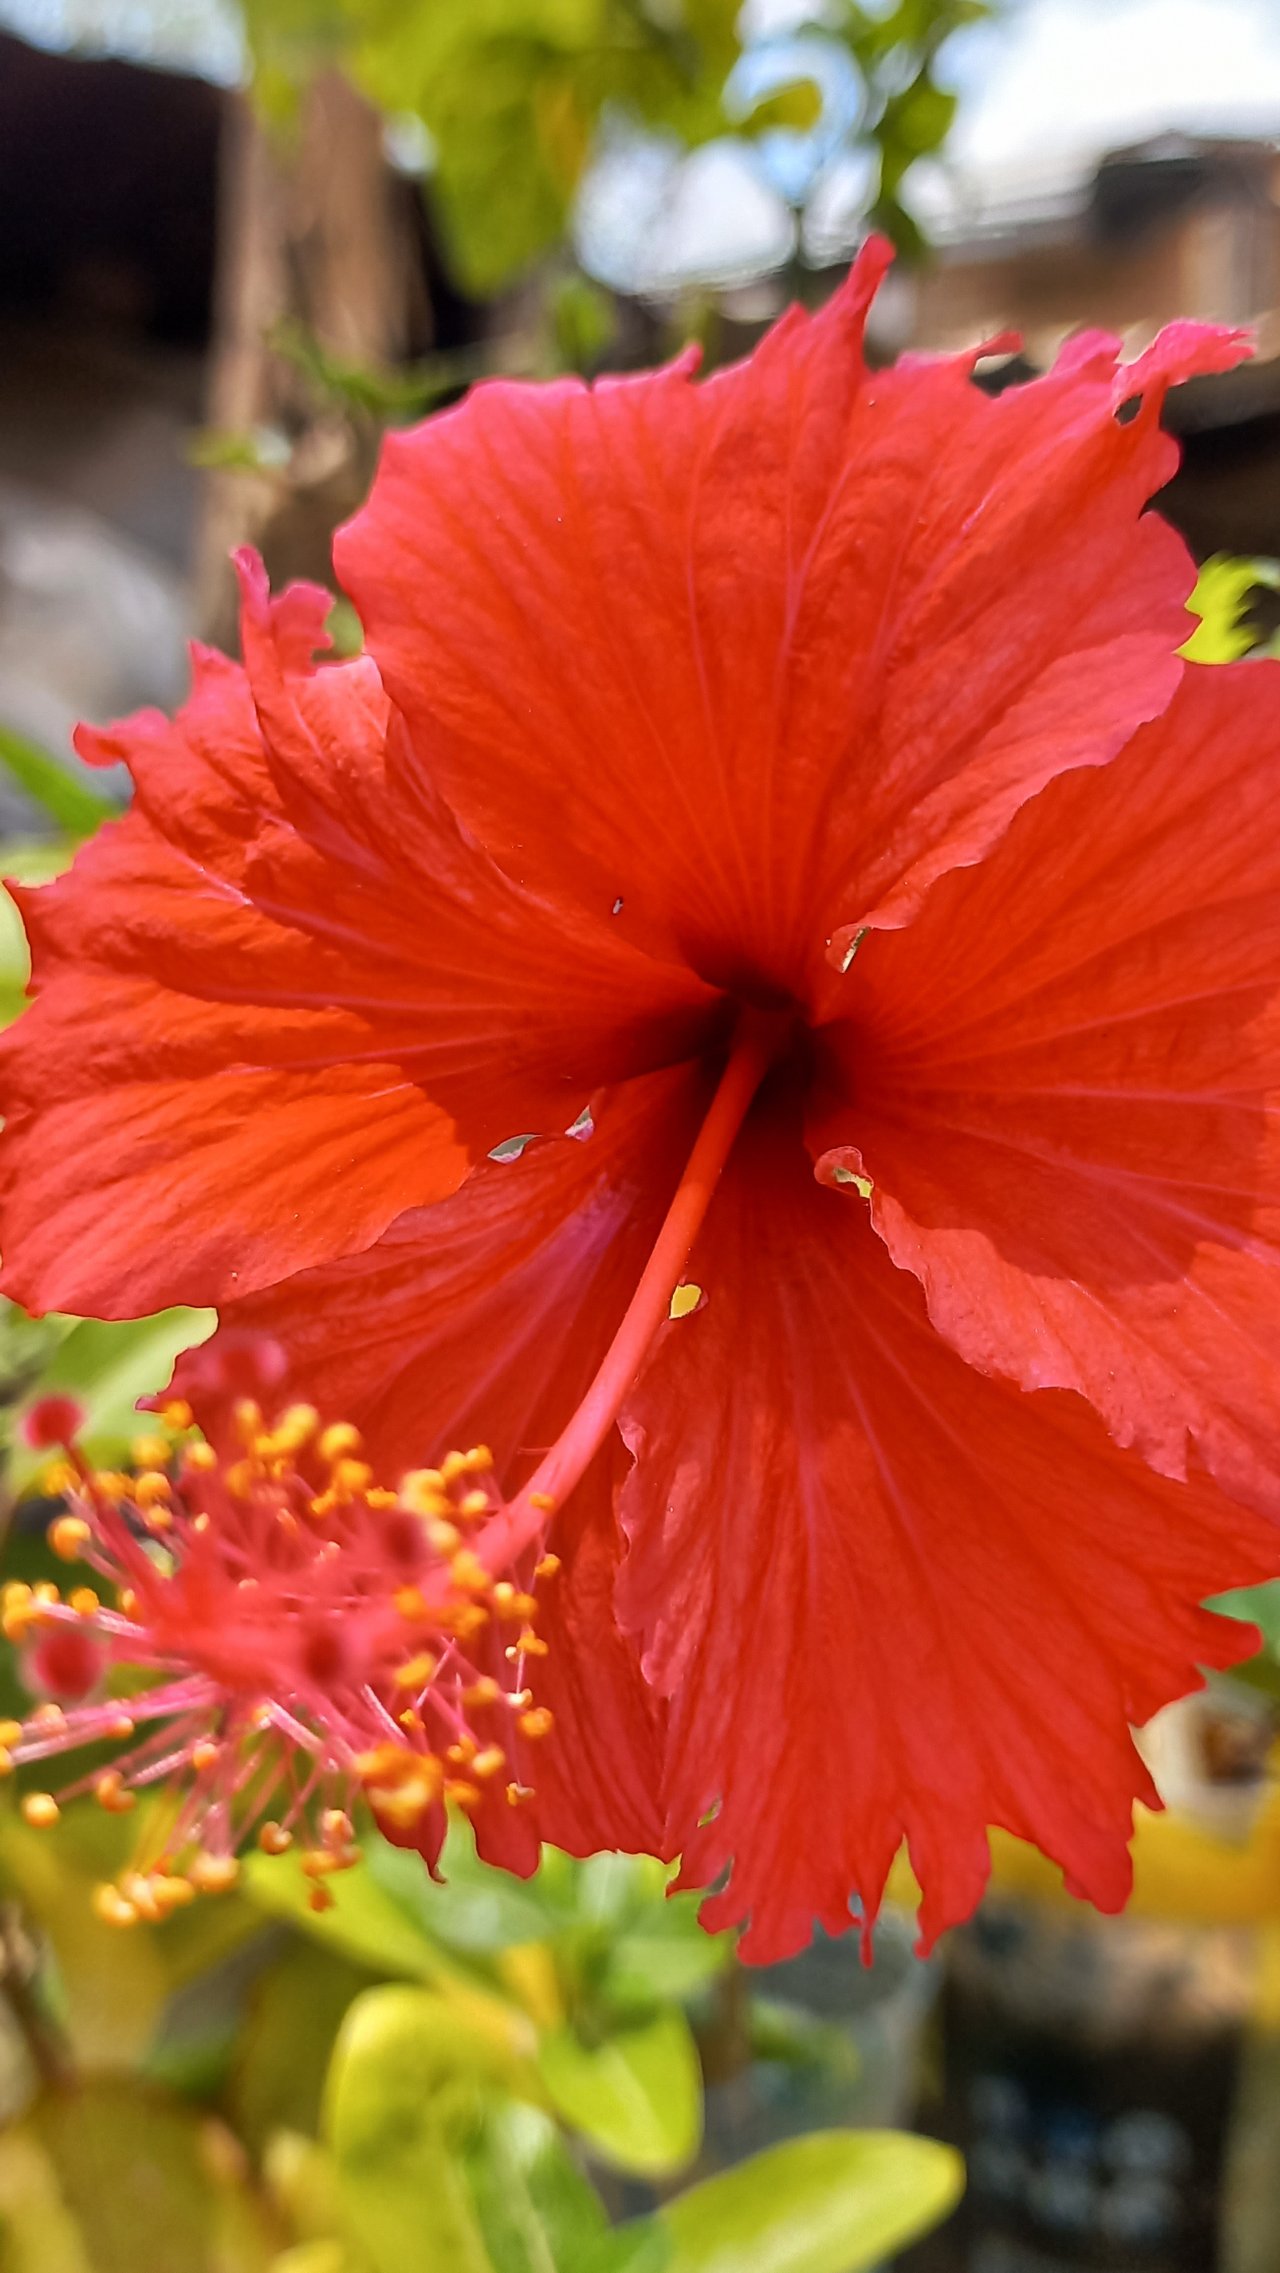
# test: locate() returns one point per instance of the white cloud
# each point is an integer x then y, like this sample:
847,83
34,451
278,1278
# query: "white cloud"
1075,77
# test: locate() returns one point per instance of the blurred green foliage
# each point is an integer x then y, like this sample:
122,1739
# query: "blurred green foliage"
378,2088
514,95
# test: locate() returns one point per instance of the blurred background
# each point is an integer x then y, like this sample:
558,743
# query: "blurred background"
237,243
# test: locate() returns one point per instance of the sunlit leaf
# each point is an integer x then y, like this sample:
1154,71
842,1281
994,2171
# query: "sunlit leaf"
636,2097
406,2093
1221,599
834,2202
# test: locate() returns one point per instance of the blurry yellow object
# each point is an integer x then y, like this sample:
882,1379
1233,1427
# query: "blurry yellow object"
1183,1872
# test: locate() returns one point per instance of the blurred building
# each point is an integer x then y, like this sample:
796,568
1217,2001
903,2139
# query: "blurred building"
1177,226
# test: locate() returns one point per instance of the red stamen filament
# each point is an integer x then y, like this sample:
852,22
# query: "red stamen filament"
524,1520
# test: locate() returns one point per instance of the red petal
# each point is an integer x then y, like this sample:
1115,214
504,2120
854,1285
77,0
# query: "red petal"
889,1598
483,1319
761,656
1064,1088
277,1000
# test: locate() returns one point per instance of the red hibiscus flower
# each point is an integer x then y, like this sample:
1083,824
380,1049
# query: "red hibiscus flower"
798,770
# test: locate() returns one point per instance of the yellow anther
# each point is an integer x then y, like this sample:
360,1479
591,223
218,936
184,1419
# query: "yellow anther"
409,1719
543,1501
247,1415
158,1519
459,1793
274,1839
416,1672
171,1891
214,1874
489,1762
10,1732
422,1491
17,1619
485,1691
68,1536
461,1754
379,1496
49,1717
537,1722
139,1889
40,1810
111,1906
204,1755
479,1459
176,1414
336,1827
151,1488
202,1458
454,1466
126,1602
295,1427
517,1793
58,1479
467,1571
548,1567
474,1504
337,1441
410,1601
122,1728
319,1898
112,1793
241,1477
200,1522
532,1644
443,1538
519,1698
6,1761
351,1477
84,1601
150,1451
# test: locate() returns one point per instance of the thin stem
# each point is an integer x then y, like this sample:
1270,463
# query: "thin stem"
525,1519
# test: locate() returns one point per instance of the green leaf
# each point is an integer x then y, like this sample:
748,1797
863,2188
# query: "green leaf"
283,2045
636,2098
642,2247
113,2177
405,2095
107,1366
474,1909
1259,1606
537,2211
23,864
69,803
364,1922
834,2202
